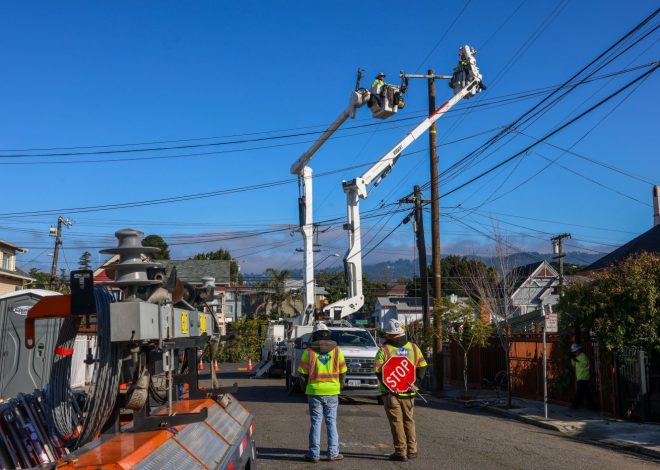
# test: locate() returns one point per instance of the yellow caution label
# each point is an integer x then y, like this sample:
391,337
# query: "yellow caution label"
184,322
202,323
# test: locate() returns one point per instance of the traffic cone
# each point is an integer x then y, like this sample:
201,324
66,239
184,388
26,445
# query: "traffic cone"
215,366
201,364
249,364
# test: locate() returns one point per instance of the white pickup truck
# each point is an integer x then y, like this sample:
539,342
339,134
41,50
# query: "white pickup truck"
359,350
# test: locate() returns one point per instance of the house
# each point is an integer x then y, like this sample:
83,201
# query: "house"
397,289
533,285
648,241
404,309
11,278
193,270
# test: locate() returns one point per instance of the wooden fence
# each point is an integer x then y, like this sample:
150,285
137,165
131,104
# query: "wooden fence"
526,369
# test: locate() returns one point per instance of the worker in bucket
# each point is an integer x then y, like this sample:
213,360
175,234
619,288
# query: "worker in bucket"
377,89
323,370
399,407
580,362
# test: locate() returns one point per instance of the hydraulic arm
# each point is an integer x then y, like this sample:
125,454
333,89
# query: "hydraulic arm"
359,97
466,82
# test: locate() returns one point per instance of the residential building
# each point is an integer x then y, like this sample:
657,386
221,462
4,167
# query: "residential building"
534,285
11,278
404,309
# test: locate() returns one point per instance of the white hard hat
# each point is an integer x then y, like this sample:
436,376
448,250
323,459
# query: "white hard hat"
394,327
575,347
320,327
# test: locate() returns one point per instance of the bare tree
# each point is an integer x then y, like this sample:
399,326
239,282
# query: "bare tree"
493,290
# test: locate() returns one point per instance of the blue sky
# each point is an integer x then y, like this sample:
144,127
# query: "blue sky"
80,74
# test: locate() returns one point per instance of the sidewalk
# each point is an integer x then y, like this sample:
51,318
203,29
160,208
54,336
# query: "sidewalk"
580,424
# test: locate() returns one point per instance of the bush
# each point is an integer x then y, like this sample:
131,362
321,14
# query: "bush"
249,334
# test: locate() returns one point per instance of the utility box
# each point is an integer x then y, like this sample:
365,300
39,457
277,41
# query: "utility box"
22,370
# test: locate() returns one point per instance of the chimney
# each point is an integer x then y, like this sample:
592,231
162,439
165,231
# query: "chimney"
656,205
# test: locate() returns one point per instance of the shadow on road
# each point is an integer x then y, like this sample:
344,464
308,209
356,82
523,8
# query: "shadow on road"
296,455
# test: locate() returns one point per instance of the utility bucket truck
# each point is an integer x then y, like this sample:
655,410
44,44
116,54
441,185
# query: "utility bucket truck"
383,100
466,82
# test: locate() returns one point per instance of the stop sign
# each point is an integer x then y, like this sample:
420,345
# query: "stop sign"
398,374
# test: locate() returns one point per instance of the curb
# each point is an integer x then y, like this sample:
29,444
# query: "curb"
611,444
525,419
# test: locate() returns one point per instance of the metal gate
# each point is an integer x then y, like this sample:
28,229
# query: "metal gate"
632,383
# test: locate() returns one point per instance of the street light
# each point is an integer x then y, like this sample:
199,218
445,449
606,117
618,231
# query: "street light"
331,255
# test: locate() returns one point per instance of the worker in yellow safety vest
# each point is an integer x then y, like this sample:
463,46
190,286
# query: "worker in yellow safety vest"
377,90
323,370
580,362
399,407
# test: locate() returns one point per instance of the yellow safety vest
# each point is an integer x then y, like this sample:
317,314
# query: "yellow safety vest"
323,371
410,350
581,364
376,83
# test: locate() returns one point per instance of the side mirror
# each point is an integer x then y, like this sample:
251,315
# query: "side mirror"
305,345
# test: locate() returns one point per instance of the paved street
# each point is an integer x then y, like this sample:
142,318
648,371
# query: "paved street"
449,435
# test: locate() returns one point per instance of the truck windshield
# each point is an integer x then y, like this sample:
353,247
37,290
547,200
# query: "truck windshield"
352,338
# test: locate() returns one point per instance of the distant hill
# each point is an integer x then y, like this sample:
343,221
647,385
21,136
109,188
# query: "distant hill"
404,268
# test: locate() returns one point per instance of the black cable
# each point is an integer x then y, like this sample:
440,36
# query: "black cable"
550,134
496,100
63,418
107,372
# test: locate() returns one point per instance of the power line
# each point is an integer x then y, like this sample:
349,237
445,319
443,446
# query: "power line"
547,136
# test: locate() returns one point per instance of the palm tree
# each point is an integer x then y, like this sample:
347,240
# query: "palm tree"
277,285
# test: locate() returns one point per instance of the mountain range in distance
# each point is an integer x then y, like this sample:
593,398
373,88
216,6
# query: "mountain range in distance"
405,268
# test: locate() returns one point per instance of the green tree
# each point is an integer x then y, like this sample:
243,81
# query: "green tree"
462,325
457,273
157,242
277,287
223,255
621,306
41,279
85,261
370,289
248,336
333,282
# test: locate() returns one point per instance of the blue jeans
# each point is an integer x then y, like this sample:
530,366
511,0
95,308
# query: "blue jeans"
323,406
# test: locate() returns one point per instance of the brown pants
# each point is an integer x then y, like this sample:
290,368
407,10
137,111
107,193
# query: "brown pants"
399,413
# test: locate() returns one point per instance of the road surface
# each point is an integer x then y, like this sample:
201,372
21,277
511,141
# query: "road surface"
449,436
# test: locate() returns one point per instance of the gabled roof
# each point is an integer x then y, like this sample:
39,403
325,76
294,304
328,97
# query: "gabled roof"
401,302
648,241
18,274
193,270
536,269
15,247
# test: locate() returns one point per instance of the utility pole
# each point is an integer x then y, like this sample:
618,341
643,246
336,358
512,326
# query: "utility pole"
58,242
558,250
438,369
421,250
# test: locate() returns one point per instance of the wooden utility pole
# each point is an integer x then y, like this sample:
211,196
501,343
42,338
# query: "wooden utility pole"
558,250
58,242
421,251
438,369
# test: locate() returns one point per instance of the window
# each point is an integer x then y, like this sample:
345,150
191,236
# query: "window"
352,338
8,261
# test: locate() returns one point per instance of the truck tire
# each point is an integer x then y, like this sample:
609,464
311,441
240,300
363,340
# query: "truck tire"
287,377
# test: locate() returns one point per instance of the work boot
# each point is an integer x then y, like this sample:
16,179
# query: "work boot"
311,458
412,455
398,458
336,457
